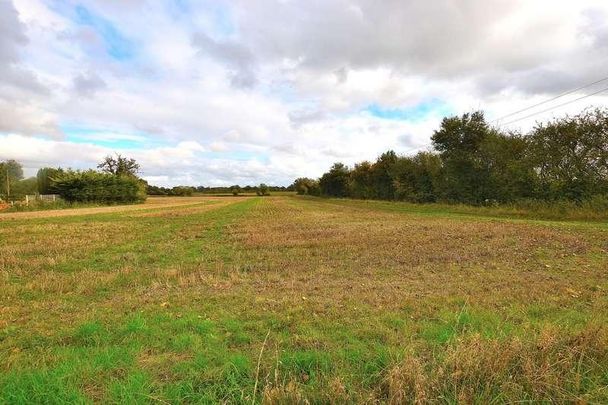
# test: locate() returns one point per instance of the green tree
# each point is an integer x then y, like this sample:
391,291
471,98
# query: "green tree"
417,178
235,190
119,166
304,185
570,156
335,182
381,176
182,191
156,190
459,140
21,188
45,178
11,171
262,189
361,181
510,176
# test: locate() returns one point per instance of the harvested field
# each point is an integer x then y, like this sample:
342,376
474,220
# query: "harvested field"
151,203
287,299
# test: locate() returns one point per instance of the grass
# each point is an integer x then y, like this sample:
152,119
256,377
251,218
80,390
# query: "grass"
339,301
47,205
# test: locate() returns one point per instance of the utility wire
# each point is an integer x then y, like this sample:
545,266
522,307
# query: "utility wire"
555,107
549,100
536,105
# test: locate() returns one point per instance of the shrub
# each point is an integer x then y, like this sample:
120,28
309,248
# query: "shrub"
262,190
92,186
182,191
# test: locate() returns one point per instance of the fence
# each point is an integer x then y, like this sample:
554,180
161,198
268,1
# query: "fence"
41,197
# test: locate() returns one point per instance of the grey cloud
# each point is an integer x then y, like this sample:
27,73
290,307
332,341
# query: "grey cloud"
12,33
87,84
12,39
20,89
414,34
412,143
27,119
288,148
334,153
20,83
236,56
341,75
595,28
301,117
407,140
444,39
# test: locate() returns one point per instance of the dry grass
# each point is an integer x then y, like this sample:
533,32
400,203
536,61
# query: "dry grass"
151,203
363,304
386,259
550,367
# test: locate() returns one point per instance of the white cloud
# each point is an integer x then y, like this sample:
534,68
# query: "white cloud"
249,91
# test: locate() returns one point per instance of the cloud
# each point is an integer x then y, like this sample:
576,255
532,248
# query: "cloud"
26,118
115,43
87,84
300,117
12,34
237,57
21,93
244,91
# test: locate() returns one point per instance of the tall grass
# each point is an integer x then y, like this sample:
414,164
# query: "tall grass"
551,367
595,209
50,205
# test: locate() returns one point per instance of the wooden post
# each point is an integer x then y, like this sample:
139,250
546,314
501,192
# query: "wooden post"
27,200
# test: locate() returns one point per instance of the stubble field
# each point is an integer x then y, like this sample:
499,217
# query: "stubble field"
292,300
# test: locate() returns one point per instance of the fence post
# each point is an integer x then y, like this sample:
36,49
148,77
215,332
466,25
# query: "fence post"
27,200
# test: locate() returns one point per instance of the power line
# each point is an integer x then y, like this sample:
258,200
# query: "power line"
555,107
549,100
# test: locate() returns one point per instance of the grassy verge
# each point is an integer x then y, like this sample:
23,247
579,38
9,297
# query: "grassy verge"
54,205
559,211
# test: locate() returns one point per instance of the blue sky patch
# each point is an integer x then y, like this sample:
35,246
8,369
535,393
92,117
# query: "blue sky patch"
223,22
117,46
416,113
111,138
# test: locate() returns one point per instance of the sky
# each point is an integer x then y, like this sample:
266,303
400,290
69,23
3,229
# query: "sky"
247,91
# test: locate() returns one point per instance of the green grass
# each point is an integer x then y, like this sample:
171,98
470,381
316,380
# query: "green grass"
339,301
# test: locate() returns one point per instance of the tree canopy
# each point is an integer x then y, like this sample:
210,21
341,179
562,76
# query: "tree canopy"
119,166
474,163
11,172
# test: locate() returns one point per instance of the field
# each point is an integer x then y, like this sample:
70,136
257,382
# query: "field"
285,299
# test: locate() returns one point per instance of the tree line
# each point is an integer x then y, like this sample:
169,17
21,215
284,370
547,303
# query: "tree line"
115,181
474,163
261,189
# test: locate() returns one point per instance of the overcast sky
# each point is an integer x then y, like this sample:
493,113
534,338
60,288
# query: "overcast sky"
248,91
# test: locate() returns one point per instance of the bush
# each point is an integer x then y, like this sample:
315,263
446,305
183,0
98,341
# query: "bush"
182,191
92,186
262,190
